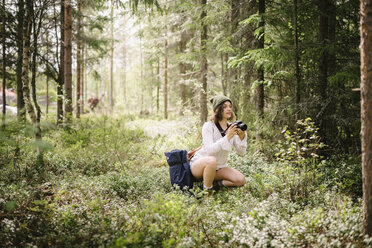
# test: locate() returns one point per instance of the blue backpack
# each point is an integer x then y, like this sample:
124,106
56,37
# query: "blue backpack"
179,169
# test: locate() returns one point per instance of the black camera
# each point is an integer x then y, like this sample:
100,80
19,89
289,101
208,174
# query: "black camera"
240,125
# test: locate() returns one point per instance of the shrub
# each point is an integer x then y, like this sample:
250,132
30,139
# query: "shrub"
107,186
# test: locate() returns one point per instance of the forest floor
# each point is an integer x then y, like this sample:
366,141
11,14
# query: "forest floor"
104,182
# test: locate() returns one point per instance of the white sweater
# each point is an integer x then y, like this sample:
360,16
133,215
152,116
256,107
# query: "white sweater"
220,147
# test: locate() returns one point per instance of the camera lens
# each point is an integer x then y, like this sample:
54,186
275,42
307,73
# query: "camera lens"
242,126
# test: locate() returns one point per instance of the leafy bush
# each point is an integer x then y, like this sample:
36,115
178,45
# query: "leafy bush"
302,146
106,184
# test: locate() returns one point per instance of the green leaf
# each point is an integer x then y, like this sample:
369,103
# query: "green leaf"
253,19
10,206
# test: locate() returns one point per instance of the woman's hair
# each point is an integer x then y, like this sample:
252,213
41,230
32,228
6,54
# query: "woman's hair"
217,115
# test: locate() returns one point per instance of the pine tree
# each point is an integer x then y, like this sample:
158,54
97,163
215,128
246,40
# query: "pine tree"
68,60
366,111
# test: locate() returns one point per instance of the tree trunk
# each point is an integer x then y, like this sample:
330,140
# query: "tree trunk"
182,68
331,129
332,38
326,129
297,57
111,96
35,118
166,78
20,100
4,62
47,80
366,110
235,8
203,64
36,31
260,88
234,87
223,74
323,37
82,78
78,62
141,73
153,79
47,95
245,109
85,82
68,61
60,84
26,61
124,78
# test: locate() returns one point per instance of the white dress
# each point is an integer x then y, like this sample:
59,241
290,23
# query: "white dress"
219,147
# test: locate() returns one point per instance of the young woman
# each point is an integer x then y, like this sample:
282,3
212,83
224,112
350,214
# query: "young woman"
209,163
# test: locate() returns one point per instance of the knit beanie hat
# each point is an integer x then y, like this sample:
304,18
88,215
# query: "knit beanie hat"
218,100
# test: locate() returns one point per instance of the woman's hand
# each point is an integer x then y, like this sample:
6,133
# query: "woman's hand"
241,133
231,132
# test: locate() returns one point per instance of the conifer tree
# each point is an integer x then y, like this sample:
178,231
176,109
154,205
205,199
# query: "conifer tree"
366,111
68,60
203,63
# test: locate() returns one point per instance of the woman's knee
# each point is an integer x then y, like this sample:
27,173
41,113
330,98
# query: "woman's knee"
211,162
240,181
197,169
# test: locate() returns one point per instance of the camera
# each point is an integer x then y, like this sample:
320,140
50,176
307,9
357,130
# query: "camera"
240,125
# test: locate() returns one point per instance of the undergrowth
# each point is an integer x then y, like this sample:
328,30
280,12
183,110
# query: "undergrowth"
105,183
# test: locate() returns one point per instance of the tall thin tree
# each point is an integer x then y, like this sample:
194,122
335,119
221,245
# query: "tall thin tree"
223,73
85,72
261,44
27,29
37,19
60,84
141,71
82,78
323,39
366,110
297,56
4,60
182,68
47,79
233,73
124,77
78,61
68,60
20,101
203,63
165,90
111,92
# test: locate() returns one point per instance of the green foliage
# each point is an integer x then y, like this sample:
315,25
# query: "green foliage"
302,146
345,173
161,222
107,185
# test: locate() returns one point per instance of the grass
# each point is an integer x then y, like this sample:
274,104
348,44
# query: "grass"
104,183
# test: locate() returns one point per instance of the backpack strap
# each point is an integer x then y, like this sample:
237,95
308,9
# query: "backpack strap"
197,139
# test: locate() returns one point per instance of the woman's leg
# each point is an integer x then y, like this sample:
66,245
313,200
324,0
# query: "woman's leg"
230,177
205,168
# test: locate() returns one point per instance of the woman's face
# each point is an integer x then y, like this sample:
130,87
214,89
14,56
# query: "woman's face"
226,110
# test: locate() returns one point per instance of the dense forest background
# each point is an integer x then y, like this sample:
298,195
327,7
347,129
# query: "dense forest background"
99,90
279,61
